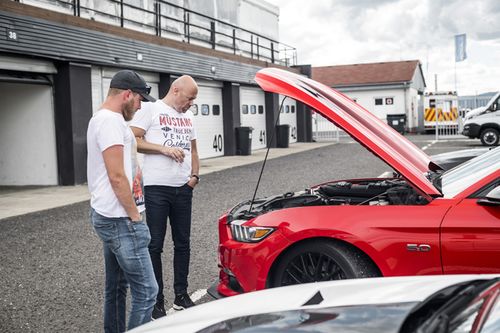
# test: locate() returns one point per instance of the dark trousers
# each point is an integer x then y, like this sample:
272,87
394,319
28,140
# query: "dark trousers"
174,203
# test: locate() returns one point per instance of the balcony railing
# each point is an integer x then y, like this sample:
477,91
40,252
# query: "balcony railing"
168,20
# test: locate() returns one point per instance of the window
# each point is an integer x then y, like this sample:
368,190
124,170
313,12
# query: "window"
261,109
216,110
389,101
194,109
287,108
378,101
205,109
293,108
244,109
253,109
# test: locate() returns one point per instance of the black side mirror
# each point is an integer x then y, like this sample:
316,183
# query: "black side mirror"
491,199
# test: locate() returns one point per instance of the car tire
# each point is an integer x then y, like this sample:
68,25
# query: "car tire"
490,137
321,261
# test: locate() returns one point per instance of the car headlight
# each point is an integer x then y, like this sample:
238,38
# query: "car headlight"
249,234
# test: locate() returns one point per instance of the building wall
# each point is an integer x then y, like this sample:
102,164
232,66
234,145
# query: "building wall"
405,101
367,100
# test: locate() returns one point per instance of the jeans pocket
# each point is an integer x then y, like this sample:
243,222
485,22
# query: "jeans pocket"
140,231
107,230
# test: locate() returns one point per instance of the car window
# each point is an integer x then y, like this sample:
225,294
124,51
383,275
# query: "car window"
492,323
464,321
458,179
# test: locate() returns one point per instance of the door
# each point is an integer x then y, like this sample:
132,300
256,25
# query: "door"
288,115
27,128
208,120
470,238
253,114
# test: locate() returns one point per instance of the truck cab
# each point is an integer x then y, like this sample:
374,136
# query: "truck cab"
484,122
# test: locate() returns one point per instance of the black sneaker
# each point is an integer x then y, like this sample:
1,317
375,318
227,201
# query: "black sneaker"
158,311
182,302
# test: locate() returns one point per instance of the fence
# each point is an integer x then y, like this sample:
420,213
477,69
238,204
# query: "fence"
169,20
324,130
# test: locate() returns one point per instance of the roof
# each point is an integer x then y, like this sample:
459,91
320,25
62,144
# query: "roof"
366,74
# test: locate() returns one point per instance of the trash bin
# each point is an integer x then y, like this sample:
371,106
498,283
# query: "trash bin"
397,121
244,140
282,135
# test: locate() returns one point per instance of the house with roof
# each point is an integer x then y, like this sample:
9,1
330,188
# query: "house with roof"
384,88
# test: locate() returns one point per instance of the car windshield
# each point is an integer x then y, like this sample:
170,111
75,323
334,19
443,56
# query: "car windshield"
458,179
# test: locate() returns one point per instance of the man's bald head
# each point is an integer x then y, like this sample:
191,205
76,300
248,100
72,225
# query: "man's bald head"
182,93
185,82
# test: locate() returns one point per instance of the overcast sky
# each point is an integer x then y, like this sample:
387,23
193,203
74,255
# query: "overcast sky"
337,32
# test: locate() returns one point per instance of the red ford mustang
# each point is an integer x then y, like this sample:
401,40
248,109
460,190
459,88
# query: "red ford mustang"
424,222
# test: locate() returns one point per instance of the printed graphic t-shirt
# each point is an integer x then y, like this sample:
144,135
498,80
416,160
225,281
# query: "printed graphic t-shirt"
107,129
167,127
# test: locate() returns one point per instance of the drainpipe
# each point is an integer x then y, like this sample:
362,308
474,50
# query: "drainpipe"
405,85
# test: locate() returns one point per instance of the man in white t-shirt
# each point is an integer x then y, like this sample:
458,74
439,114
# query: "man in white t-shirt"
114,181
165,133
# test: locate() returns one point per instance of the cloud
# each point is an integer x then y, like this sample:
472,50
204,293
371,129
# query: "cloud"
333,32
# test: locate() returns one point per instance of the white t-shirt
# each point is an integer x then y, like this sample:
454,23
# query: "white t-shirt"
106,129
167,127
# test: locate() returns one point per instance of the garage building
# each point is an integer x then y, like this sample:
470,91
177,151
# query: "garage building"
57,59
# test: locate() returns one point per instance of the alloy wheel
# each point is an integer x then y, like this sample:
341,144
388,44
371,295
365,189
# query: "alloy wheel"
312,267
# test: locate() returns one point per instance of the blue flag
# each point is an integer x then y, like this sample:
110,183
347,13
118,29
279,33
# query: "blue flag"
460,47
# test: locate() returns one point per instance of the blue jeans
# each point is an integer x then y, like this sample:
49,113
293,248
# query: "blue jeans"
127,262
174,203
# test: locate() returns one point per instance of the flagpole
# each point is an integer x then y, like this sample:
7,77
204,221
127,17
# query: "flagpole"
456,91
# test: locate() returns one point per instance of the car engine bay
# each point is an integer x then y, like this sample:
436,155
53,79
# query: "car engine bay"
373,192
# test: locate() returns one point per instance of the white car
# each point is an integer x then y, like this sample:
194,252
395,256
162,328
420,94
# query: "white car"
453,303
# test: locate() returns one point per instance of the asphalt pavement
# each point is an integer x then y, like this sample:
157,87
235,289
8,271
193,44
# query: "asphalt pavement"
51,273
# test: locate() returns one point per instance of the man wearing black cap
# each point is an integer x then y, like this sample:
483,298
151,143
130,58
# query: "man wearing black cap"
116,206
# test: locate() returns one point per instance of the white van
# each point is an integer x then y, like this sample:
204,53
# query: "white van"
484,122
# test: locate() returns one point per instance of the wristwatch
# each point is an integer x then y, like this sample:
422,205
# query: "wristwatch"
197,178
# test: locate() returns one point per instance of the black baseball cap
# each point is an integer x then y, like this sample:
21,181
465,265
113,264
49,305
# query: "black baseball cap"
127,79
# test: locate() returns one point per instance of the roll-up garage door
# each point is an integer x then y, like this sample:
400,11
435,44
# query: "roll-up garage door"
208,120
101,78
253,114
288,116
28,155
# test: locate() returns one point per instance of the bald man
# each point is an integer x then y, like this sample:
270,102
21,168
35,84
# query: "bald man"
165,134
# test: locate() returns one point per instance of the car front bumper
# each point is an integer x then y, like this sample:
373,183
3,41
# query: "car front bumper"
471,130
245,267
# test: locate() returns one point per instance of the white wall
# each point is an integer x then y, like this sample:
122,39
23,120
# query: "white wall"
367,100
28,152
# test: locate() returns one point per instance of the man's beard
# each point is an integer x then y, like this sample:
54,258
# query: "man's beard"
128,110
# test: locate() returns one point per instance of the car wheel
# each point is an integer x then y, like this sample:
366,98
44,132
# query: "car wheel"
490,137
321,261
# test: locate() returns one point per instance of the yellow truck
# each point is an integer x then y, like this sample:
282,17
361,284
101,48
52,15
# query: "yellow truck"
441,109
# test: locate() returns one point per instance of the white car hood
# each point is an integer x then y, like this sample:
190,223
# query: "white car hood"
335,293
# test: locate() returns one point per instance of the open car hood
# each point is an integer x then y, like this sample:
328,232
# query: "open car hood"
378,137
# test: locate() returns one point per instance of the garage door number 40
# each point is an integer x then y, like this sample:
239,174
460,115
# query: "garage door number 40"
217,144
